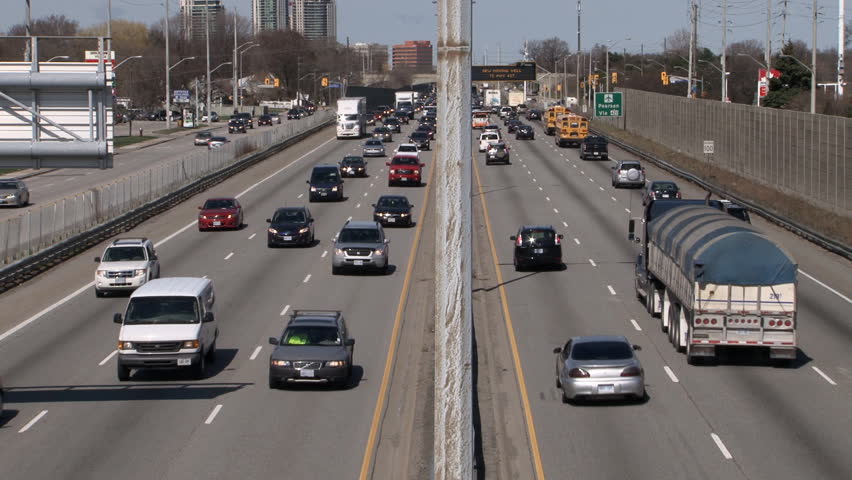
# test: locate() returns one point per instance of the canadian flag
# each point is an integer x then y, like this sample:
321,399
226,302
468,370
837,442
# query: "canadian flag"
772,74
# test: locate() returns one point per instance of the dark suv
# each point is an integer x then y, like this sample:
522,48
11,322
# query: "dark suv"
594,147
353,166
537,245
290,226
393,210
326,183
235,125
246,117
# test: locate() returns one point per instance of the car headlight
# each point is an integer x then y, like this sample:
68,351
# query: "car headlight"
101,273
271,230
333,189
11,195
140,271
203,217
339,251
403,214
125,345
379,251
336,363
230,215
190,344
280,363
313,189
305,230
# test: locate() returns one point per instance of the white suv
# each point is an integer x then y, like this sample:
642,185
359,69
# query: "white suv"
407,149
127,264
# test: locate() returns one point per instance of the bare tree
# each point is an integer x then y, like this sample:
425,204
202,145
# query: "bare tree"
678,43
548,51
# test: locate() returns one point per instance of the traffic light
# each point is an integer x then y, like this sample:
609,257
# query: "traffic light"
276,83
324,81
558,87
614,77
582,85
664,77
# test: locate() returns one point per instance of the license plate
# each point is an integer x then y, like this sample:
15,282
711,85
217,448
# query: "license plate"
404,179
391,220
183,362
359,262
323,194
216,224
665,195
287,238
306,372
538,250
597,153
604,389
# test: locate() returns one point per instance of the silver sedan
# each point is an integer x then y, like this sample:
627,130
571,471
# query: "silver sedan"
601,366
13,192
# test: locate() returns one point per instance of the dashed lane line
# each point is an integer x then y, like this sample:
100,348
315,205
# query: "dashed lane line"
284,312
256,352
722,448
593,263
33,421
611,290
252,235
307,279
826,377
108,358
324,254
229,256
576,240
636,325
671,374
213,414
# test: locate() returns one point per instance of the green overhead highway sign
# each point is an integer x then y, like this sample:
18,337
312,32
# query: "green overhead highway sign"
609,104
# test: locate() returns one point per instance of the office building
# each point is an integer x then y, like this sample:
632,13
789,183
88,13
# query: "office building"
413,54
194,14
268,15
374,57
314,19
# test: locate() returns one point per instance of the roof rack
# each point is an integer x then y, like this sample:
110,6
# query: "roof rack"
316,313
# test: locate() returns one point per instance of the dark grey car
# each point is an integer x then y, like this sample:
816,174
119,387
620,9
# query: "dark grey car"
14,192
315,347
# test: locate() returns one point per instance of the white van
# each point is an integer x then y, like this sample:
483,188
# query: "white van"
169,323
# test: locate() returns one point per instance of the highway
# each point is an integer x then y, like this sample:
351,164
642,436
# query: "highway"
56,184
739,419
230,425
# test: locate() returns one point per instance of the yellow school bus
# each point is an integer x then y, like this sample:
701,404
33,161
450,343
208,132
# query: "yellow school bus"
550,119
572,130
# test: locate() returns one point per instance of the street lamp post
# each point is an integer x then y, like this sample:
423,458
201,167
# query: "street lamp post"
125,60
762,66
168,85
813,80
641,70
724,78
168,91
63,57
606,51
209,93
241,64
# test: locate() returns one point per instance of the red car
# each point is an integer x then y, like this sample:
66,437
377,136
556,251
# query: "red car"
219,213
405,169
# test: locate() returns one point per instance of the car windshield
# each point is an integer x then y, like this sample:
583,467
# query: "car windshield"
664,187
218,139
292,111
311,336
289,216
360,235
161,310
353,116
124,254
8,185
204,135
219,203
327,175
392,202
538,236
739,212
586,351
418,135
374,143
381,130
404,161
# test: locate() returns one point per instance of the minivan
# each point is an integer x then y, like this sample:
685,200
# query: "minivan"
326,183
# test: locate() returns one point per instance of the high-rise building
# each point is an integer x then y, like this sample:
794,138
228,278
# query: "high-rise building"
413,54
269,15
314,19
195,12
374,57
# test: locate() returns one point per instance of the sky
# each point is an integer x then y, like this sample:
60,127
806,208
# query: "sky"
501,26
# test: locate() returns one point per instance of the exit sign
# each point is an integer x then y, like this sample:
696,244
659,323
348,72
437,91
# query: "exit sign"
609,104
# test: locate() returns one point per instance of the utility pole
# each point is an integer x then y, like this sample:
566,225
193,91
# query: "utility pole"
841,37
27,51
195,121
813,59
453,431
724,50
168,65
234,67
578,53
207,40
693,39
784,22
768,51
525,82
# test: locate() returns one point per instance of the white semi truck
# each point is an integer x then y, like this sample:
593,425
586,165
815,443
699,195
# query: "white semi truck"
351,117
715,281
404,102
516,98
492,98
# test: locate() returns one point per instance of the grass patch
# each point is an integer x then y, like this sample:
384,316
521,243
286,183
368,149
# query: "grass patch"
167,131
119,142
6,171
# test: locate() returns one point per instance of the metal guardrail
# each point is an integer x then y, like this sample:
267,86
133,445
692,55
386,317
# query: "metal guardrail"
791,225
36,263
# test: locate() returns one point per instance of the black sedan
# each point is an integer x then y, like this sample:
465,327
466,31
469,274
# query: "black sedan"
383,133
294,114
525,132
427,129
290,226
421,139
537,246
534,114
402,117
264,120
392,210
660,189
513,125
353,166
393,124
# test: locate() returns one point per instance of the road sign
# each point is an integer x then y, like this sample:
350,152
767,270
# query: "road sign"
181,96
709,147
763,88
519,72
608,104
335,85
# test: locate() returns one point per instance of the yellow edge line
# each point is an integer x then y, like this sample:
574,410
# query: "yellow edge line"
522,384
380,403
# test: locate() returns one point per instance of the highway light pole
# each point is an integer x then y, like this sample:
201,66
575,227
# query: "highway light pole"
606,51
168,100
168,85
762,66
241,64
453,430
812,70
63,57
724,78
207,42
578,53
124,61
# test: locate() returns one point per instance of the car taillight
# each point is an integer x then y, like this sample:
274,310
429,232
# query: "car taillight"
631,372
677,195
653,196
519,241
558,240
578,373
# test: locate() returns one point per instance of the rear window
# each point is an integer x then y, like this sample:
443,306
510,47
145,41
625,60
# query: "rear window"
628,166
405,161
601,351
538,236
665,187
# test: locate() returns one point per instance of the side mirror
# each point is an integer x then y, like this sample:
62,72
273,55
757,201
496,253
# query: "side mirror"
199,207
557,350
631,229
422,164
273,341
513,238
97,259
410,205
117,318
387,241
637,347
268,220
208,317
310,220
307,181
349,342
612,168
373,205
387,164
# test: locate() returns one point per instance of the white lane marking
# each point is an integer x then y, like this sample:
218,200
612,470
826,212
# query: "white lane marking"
283,312
592,180
582,172
574,165
844,297
576,240
823,375
627,210
540,189
204,276
13,330
529,172
555,210
365,194
371,185
613,199
548,198
636,325
49,184
350,218
285,167
565,224
229,256
33,421
301,195
252,236
307,279
256,352
324,254
69,179
671,374
609,287
213,414
108,358
534,180
599,187
593,263
358,206
722,448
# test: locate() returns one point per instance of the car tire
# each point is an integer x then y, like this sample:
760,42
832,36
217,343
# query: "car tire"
270,245
273,384
200,368
384,270
211,353
558,383
99,294
565,398
122,372
335,270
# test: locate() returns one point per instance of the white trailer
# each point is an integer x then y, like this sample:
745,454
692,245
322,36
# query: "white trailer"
492,98
516,98
351,117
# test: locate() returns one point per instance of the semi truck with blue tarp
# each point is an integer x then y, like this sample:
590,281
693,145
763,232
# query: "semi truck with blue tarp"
715,281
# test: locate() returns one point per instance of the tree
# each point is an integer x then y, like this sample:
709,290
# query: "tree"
548,51
678,43
52,25
794,80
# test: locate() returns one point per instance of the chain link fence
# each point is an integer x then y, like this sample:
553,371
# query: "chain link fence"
798,153
47,225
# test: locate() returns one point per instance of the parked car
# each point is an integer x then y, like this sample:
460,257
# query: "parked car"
235,125
220,213
290,226
203,138
525,132
537,246
600,366
361,245
217,142
264,120
393,210
14,192
315,347
405,169
594,146
374,148
326,183
383,133
497,153
628,173
660,189
126,264
353,166
421,139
